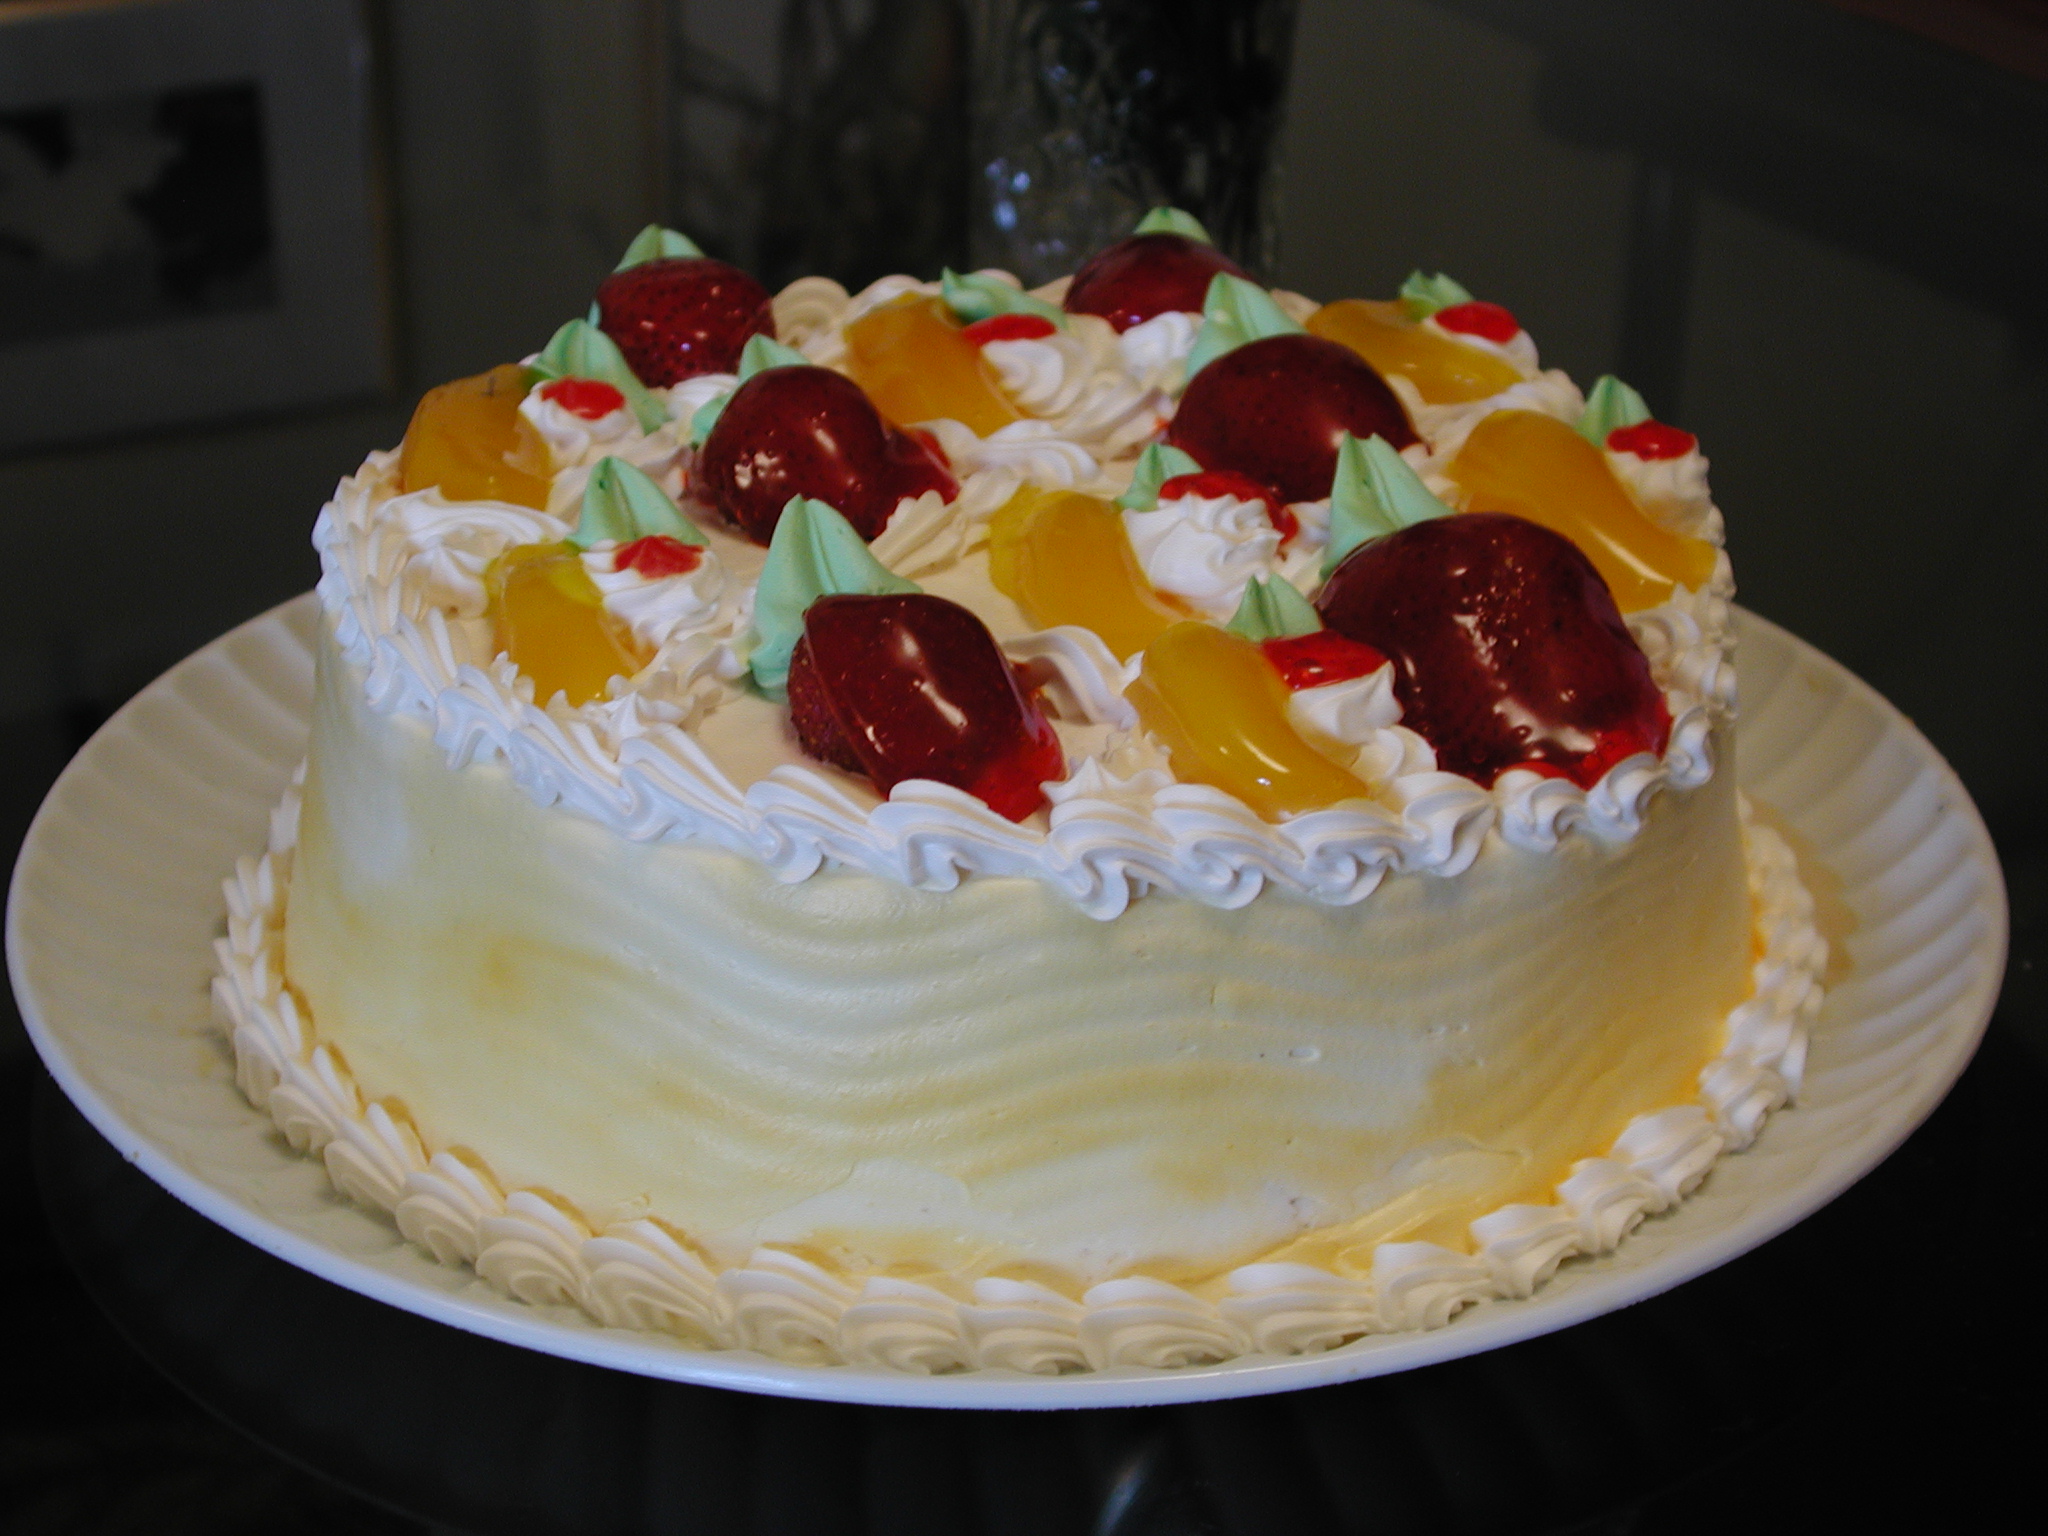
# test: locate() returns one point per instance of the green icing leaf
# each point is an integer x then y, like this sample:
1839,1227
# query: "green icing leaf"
814,552
653,243
977,296
1424,296
1610,404
1172,221
579,350
1273,609
1156,465
622,504
1374,493
1233,313
706,417
762,352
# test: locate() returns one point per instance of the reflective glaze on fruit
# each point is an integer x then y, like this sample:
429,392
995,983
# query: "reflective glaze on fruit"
548,616
1444,372
911,686
679,316
1064,559
469,439
1277,408
1507,648
811,432
1324,657
1130,282
1537,467
1219,708
916,363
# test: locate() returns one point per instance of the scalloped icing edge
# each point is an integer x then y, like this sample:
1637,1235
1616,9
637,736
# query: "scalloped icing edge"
649,781
641,1274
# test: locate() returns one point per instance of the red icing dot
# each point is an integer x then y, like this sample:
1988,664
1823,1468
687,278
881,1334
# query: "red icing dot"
1479,318
1019,327
1228,482
1309,661
657,556
588,398
1652,440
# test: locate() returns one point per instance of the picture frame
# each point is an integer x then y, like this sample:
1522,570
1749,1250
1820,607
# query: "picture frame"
188,219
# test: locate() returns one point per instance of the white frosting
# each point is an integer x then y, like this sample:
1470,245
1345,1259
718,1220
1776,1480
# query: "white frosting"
1519,349
1155,351
634,1272
574,439
635,766
1076,384
658,609
1079,382
1672,491
1204,549
1353,710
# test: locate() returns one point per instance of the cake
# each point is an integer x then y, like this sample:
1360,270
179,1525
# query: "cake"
949,827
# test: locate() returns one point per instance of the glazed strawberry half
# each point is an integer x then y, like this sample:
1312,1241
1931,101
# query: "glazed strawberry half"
679,316
911,686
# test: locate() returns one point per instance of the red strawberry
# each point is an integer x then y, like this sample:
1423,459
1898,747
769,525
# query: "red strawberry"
911,686
1508,650
1276,409
812,432
1146,275
680,316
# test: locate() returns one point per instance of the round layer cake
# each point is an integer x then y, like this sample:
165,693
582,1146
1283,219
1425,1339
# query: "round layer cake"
1157,967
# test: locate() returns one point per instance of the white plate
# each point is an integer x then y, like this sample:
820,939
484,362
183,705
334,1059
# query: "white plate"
117,897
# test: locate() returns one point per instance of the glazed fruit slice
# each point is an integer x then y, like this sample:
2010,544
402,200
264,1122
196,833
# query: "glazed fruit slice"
911,686
1064,558
812,432
1277,409
916,363
469,439
1130,282
1444,372
679,316
1219,707
1538,468
1507,648
548,616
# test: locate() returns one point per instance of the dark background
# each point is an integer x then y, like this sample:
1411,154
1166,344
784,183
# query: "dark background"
1812,233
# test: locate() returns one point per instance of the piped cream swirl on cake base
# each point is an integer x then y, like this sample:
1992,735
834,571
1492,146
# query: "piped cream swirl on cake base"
987,1081
884,1273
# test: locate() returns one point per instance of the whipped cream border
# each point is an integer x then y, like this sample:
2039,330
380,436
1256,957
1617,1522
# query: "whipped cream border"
642,1274
631,764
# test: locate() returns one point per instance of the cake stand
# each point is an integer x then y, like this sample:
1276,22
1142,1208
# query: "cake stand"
116,899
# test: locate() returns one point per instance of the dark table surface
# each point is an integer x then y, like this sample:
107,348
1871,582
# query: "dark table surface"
1875,1367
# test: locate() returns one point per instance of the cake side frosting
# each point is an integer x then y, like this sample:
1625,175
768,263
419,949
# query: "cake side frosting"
789,1299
